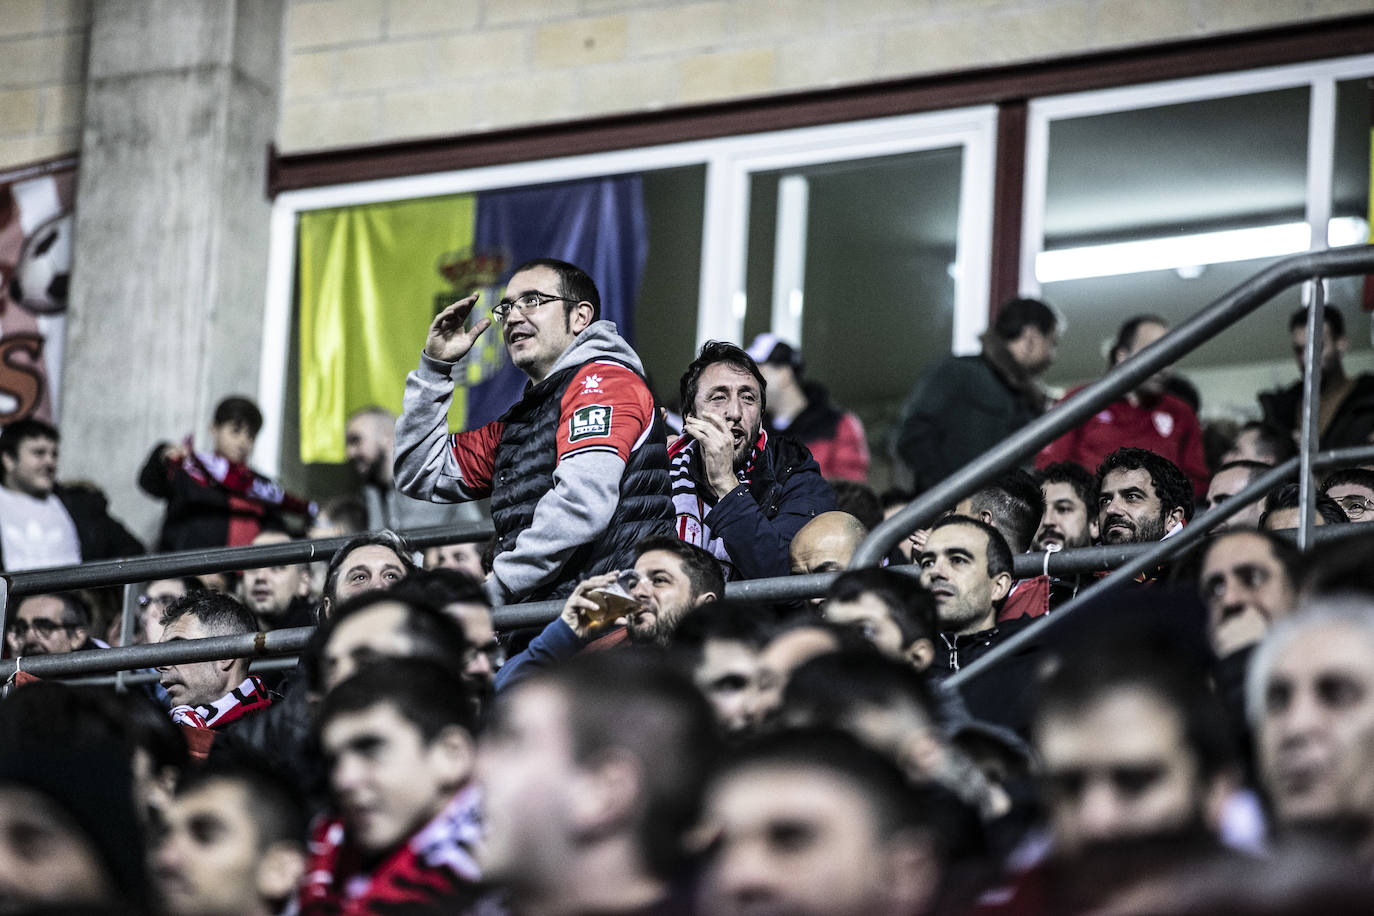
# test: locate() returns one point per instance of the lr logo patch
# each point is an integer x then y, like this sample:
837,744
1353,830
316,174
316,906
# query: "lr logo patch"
590,422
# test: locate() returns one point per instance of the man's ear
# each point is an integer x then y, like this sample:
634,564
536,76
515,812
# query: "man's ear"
8,464
704,597
1001,585
303,590
1093,529
581,317
1173,519
920,654
912,871
454,755
78,637
279,871
985,516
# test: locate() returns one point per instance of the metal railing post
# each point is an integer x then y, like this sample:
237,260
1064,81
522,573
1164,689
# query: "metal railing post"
126,627
1311,405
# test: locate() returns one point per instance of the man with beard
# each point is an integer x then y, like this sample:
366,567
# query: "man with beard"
672,577
576,469
1146,418
1141,497
1070,518
738,492
370,446
1346,410
49,625
1310,700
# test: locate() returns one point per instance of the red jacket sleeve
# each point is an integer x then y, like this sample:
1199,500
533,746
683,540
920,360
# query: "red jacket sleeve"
475,452
607,408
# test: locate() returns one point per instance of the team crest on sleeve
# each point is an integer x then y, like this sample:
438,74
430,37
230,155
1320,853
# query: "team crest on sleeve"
592,384
590,422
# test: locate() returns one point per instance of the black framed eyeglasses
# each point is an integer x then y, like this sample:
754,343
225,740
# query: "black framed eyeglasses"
525,304
1355,506
161,601
40,625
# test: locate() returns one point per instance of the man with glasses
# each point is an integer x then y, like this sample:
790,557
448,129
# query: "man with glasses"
1353,491
49,625
577,469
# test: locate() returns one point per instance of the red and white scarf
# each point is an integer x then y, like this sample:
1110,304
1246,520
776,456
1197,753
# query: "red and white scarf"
247,697
691,500
435,866
238,479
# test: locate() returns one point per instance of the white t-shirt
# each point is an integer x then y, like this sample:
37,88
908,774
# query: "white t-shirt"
36,532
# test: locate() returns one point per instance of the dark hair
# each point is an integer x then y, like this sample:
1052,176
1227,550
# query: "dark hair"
1079,478
909,605
346,511
712,352
892,801
628,701
1015,315
218,613
383,538
239,410
1287,496
435,637
1255,468
271,801
895,496
75,611
1125,338
1330,315
725,620
17,433
425,694
1171,485
702,569
1147,657
1016,505
999,554
1273,440
1342,567
829,689
1342,477
859,500
574,283
439,587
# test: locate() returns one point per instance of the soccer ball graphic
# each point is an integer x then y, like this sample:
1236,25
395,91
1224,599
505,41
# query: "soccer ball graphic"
39,283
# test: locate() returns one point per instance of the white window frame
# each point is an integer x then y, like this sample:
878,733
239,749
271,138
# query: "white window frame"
1320,78
730,163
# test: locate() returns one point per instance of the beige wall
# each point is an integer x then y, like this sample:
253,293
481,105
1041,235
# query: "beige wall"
369,71
42,64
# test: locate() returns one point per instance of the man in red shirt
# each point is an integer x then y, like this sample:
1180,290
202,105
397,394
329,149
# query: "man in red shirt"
1147,417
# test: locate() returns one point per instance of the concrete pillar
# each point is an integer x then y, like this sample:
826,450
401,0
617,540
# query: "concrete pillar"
171,233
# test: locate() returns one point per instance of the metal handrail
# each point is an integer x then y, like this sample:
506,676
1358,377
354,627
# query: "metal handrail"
1069,414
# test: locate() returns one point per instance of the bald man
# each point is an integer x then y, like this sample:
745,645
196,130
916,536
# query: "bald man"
825,544
369,444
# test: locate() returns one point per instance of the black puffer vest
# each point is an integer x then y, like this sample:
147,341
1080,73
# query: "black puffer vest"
522,473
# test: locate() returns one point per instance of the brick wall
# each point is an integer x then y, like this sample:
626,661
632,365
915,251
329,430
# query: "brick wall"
368,71
42,65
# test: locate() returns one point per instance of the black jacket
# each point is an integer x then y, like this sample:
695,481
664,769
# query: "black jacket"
1352,425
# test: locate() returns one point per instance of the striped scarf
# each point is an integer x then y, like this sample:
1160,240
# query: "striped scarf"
692,500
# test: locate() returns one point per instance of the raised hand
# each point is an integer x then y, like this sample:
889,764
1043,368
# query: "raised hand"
582,613
448,340
717,445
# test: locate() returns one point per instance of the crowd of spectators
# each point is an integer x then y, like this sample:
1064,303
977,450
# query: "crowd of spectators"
1199,741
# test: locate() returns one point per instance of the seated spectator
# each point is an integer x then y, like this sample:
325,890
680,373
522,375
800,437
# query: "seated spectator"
671,578
801,408
1070,518
155,598
209,696
1281,509
966,566
69,838
214,499
891,610
278,596
338,516
1310,699
404,834
1262,442
1248,580
464,558
1141,497
370,561
1146,418
717,645
1346,408
380,625
49,625
1229,480
964,405
1353,491
738,492
813,822
592,776
464,600
1014,505
233,841
825,544
43,522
